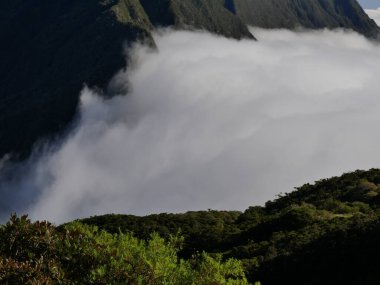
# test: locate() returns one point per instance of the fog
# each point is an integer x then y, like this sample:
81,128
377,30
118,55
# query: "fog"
211,122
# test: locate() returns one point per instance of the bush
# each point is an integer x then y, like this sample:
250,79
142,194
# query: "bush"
37,253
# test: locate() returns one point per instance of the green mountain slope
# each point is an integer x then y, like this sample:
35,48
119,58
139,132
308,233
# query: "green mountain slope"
51,48
325,233
210,15
312,14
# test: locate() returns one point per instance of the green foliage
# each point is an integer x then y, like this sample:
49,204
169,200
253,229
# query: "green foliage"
29,272
326,232
214,271
37,253
28,253
317,229
204,230
23,241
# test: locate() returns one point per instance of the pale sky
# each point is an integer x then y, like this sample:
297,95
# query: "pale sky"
370,3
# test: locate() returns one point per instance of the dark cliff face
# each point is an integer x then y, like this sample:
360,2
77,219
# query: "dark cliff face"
313,14
51,48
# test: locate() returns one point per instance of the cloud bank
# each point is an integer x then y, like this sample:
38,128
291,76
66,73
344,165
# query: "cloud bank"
374,14
214,123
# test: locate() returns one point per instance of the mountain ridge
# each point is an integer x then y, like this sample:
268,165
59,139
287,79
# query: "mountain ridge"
52,48
317,233
312,14
326,232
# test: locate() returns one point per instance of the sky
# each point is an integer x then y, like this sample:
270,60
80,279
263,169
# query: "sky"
370,4
374,14
211,122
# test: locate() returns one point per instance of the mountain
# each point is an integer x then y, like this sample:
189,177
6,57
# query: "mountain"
312,14
210,15
322,233
51,48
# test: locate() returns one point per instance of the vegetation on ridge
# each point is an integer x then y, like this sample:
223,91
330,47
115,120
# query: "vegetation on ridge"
326,233
39,253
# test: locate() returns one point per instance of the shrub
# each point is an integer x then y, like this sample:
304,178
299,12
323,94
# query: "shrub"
36,253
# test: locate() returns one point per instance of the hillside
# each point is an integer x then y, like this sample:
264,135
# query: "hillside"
51,48
312,14
324,233
39,253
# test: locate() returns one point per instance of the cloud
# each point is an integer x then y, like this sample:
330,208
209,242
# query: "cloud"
374,14
211,122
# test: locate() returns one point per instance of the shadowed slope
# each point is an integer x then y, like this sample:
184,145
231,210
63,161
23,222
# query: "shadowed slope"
313,14
51,48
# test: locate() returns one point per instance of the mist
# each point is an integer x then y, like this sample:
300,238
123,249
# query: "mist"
210,122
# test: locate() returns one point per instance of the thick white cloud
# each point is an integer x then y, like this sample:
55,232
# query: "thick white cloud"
216,123
374,14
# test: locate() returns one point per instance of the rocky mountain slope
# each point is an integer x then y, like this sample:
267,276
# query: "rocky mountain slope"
51,48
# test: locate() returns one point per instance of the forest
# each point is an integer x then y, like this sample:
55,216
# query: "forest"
326,232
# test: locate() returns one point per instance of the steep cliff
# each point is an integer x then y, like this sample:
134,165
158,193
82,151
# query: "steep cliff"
313,14
49,49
